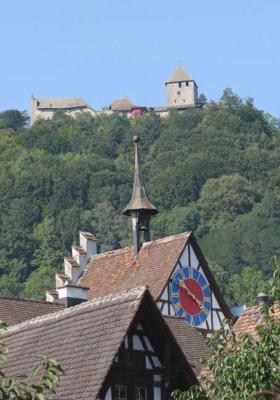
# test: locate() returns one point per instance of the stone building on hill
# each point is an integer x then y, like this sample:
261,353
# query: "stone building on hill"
45,108
181,89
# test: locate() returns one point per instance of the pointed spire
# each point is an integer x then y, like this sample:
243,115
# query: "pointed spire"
139,200
179,75
140,207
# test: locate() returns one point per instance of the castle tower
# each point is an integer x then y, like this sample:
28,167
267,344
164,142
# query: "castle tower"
181,90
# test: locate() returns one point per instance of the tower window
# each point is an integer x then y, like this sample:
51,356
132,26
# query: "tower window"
180,84
187,83
178,92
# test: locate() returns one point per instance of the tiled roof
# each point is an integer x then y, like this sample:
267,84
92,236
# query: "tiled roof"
251,318
179,74
60,102
84,339
191,342
117,270
14,311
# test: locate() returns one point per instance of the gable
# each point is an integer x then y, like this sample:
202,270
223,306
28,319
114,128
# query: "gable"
170,303
117,270
150,358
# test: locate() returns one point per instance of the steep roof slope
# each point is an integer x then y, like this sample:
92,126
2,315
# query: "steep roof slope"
81,338
191,342
14,311
179,74
117,270
85,339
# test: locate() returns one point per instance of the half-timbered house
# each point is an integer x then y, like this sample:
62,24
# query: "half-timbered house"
117,347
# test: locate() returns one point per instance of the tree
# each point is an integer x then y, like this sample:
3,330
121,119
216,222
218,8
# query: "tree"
243,288
13,119
226,197
46,376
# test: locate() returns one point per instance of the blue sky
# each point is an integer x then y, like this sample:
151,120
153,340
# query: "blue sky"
104,49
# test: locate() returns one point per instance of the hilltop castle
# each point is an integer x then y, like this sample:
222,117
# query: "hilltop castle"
181,92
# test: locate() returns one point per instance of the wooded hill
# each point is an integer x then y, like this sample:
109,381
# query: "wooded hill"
214,171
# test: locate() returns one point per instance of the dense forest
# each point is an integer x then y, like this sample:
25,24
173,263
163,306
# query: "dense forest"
214,171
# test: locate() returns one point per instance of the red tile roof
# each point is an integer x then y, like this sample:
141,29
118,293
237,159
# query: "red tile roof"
191,342
117,270
14,311
85,340
251,318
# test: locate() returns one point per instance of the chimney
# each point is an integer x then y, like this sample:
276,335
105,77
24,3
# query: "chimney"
67,290
262,299
88,243
70,295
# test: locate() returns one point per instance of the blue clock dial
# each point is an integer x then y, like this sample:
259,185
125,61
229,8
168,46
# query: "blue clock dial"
190,296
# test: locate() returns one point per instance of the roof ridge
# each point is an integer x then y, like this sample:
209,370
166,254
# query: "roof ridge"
31,300
105,301
124,249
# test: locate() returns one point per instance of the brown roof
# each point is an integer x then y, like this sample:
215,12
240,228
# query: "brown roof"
191,342
251,318
14,311
85,340
179,74
60,102
117,270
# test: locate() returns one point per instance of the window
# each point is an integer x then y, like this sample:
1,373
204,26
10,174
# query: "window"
180,84
120,392
178,92
140,393
187,83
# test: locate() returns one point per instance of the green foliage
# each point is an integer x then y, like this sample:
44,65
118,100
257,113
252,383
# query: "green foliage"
243,288
46,376
214,171
13,119
239,366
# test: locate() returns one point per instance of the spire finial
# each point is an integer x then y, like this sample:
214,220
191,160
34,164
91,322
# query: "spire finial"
140,208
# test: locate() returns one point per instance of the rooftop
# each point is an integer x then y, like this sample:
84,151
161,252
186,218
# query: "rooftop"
14,311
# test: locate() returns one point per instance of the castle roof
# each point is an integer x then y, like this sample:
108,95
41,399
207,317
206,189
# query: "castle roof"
14,311
121,104
179,74
61,102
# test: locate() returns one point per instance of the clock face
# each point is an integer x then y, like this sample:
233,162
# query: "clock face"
190,296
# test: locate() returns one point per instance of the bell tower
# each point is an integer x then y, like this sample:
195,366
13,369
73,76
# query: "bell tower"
181,90
140,208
